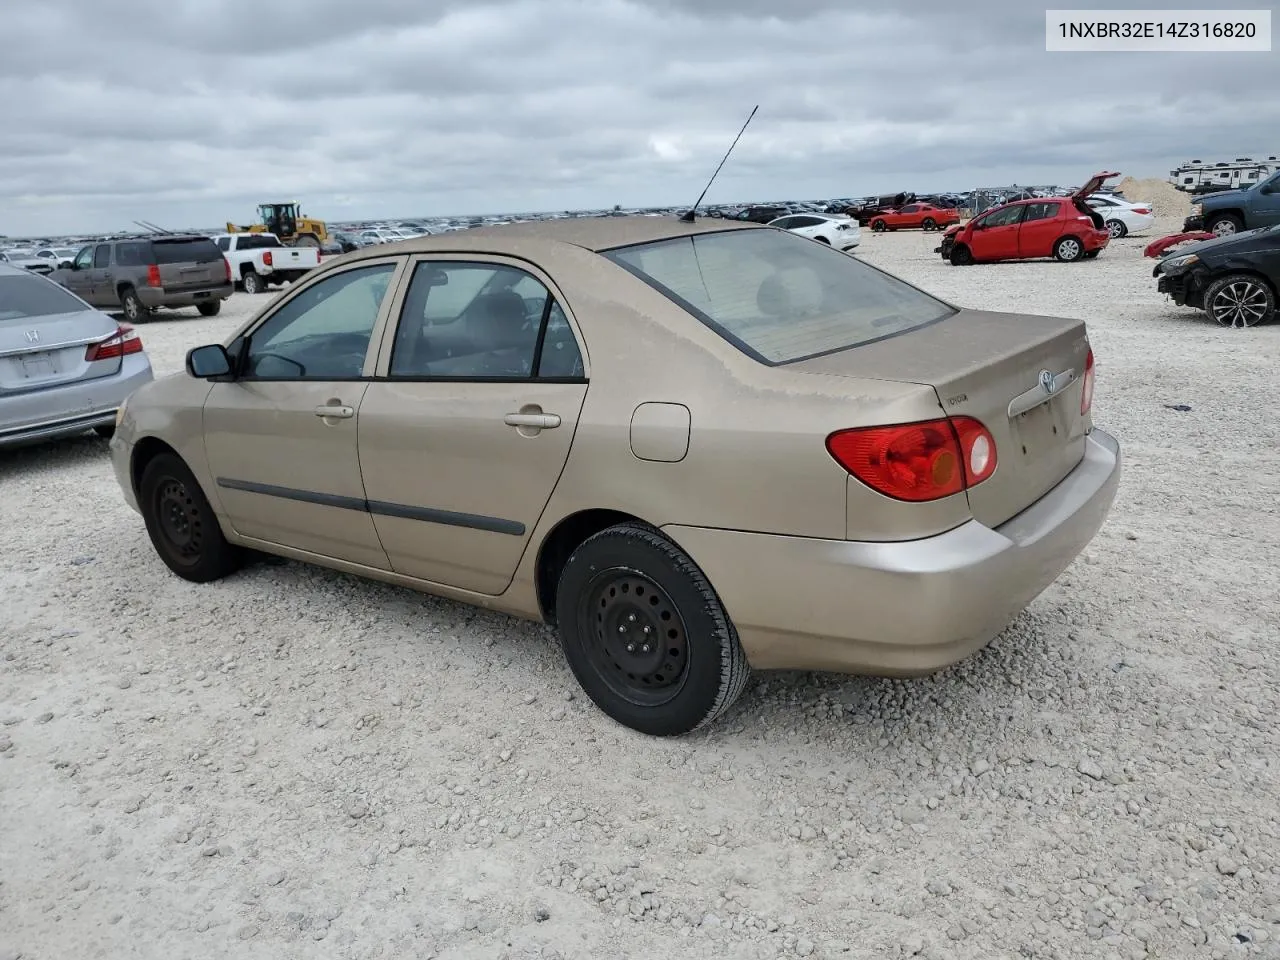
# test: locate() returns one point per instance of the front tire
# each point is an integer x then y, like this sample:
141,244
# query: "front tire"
181,523
209,308
1225,225
1068,250
134,310
645,634
1240,300
1117,229
929,224
961,256
878,226
252,282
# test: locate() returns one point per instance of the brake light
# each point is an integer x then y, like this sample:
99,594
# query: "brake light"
266,257
1086,394
1143,210
124,341
226,270
917,462
153,276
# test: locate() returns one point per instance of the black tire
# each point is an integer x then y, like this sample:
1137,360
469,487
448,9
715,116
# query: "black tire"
134,310
252,282
106,432
1223,224
961,255
878,226
1068,250
181,524
307,240
209,308
627,584
1240,299
929,224
1092,254
1117,229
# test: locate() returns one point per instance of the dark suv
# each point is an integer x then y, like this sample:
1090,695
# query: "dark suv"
139,276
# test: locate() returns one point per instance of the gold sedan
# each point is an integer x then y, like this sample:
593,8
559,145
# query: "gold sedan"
694,448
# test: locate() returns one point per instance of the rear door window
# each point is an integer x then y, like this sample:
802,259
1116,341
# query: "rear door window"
1040,211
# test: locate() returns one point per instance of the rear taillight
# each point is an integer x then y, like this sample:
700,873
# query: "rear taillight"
1142,210
917,461
226,270
153,276
1086,393
266,258
124,341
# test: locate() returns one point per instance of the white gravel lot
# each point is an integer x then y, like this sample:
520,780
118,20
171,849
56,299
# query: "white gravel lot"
294,763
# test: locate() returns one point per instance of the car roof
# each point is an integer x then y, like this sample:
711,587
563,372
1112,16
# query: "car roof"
591,233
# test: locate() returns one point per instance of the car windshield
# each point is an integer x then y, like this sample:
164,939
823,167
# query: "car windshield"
24,297
778,297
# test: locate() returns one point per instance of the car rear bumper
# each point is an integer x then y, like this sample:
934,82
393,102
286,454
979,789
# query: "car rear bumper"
74,408
902,608
153,297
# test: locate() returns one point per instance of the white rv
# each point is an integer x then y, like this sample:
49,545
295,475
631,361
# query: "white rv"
1196,176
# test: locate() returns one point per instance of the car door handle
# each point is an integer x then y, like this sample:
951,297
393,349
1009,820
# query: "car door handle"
539,421
335,411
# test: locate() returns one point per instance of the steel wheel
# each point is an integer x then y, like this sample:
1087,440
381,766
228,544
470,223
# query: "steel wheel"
1239,302
179,520
637,639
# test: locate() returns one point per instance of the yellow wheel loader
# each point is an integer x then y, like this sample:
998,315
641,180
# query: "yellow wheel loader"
288,223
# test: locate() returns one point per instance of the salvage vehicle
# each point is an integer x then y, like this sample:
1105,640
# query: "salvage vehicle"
259,259
555,420
922,216
843,233
1065,228
1234,279
140,276
1120,216
65,368
1232,211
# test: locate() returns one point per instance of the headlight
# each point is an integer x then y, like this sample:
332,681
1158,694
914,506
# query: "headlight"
1178,263
1197,206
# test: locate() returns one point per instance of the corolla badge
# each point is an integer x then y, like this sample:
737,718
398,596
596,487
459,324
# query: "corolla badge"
1047,381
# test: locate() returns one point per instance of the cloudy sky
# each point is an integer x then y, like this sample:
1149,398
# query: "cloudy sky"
190,112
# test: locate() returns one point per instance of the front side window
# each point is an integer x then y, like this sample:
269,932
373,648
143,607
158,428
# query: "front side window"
481,321
1003,217
323,333
84,259
911,208
777,296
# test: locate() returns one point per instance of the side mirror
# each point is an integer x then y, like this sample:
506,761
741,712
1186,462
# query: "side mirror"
209,361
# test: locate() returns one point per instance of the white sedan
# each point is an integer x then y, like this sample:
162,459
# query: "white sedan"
843,233
1122,217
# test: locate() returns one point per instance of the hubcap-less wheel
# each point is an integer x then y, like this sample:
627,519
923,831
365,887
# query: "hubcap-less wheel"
179,519
1241,303
1068,249
637,638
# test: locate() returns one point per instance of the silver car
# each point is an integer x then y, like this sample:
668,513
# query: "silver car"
65,367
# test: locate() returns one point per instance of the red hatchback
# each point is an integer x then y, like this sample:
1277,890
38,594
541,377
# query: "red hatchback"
1065,228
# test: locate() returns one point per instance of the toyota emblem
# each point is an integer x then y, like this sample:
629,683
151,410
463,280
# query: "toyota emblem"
1047,381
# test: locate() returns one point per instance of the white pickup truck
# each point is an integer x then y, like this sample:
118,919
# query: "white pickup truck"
260,259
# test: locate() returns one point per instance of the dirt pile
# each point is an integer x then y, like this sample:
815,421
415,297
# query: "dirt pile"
1170,205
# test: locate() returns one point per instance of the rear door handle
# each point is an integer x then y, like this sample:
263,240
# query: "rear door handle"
539,421
335,411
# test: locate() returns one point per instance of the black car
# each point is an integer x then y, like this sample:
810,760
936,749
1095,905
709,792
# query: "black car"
1233,279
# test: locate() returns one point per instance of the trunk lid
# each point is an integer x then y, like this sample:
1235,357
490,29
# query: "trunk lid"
990,366
188,263
49,351
1092,184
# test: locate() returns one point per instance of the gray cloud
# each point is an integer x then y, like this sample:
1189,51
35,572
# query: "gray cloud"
189,113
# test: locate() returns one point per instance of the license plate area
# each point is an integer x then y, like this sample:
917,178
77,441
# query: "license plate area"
38,366
1040,430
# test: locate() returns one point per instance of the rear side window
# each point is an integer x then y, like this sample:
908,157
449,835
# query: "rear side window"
186,250
133,253
102,256
777,296
1040,211
24,297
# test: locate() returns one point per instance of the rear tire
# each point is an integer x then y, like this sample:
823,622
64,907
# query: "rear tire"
645,634
878,226
209,308
134,310
182,524
1068,250
961,256
1117,229
929,224
1240,300
252,282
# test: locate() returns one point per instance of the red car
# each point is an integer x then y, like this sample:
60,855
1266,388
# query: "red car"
1065,228
923,215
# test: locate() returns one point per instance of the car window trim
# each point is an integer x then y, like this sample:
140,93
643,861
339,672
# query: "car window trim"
246,333
382,371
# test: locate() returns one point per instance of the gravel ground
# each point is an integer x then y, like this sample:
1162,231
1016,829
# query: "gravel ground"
295,763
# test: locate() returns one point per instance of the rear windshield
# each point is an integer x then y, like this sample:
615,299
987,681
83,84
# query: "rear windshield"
187,250
779,297
24,297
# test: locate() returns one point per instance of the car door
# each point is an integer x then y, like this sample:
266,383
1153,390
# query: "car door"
996,237
1040,229
1266,203
464,438
909,216
77,279
280,436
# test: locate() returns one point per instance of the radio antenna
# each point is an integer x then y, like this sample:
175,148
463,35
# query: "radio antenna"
690,215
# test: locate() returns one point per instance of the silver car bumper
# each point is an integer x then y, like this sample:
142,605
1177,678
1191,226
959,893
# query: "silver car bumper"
74,408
